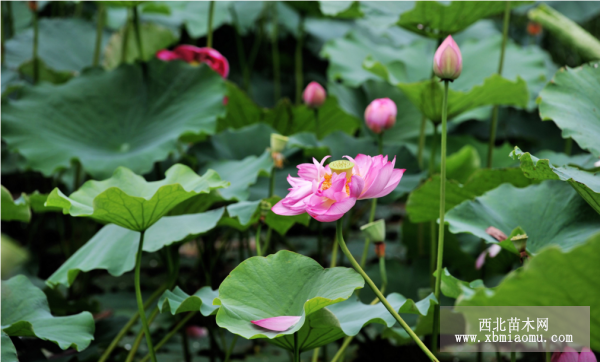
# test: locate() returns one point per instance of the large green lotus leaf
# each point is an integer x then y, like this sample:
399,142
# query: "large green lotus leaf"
178,301
551,278
231,144
114,248
154,38
340,9
587,184
347,318
423,204
64,44
9,353
242,174
127,200
551,213
347,55
10,80
571,101
462,164
241,215
495,90
14,209
25,313
111,119
437,20
581,160
281,284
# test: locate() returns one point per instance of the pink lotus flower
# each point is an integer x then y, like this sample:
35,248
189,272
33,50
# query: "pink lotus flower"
381,114
571,355
447,61
493,250
278,324
196,332
194,55
327,193
314,95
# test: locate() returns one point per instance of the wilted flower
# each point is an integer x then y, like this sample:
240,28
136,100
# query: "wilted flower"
447,61
534,28
327,192
571,355
278,324
196,332
194,55
381,114
314,95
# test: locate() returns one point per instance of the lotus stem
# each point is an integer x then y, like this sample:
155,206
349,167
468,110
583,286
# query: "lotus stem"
513,355
316,111
130,323
275,54
125,37
363,259
422,141
383,273
494,124
140,335
384,301
140,301
258,251
299,76
138,33
315,357
433,236
36,34
209,32
187,356
296,348
548,356
99,31
162,342
568,146
230,349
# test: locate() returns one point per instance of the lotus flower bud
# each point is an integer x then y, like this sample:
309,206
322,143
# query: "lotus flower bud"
381,114
447,61
314,95
374,230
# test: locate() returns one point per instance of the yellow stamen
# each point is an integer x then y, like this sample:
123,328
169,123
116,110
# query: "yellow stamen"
194,63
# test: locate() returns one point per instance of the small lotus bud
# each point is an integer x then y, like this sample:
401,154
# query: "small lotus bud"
278,142
447,61
534,28
374,230
340,166
381,114
314,95
196,332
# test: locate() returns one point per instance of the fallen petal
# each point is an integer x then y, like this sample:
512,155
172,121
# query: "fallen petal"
278,324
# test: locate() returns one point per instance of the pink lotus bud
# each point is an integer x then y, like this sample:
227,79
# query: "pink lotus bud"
447,61
196,332
314,95
381,114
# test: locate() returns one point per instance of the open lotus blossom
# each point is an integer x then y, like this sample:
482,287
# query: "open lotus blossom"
571,355
447,61
278,324
381,114
327,192
195,55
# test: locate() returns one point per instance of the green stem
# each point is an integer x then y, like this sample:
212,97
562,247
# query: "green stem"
422,141
340,351
380,143
440,247
230,349
209,32
316,111
267,240
334,254
299,75
363,259
140,335
384,301
383,273
320,242
296,348
272,182
548,356
130,323
568,146
258,251
275,54
185,344
162,342
433,236
125,42
140,301
315,357
513,356
138,33
494,124
498,356
99,31
36,33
